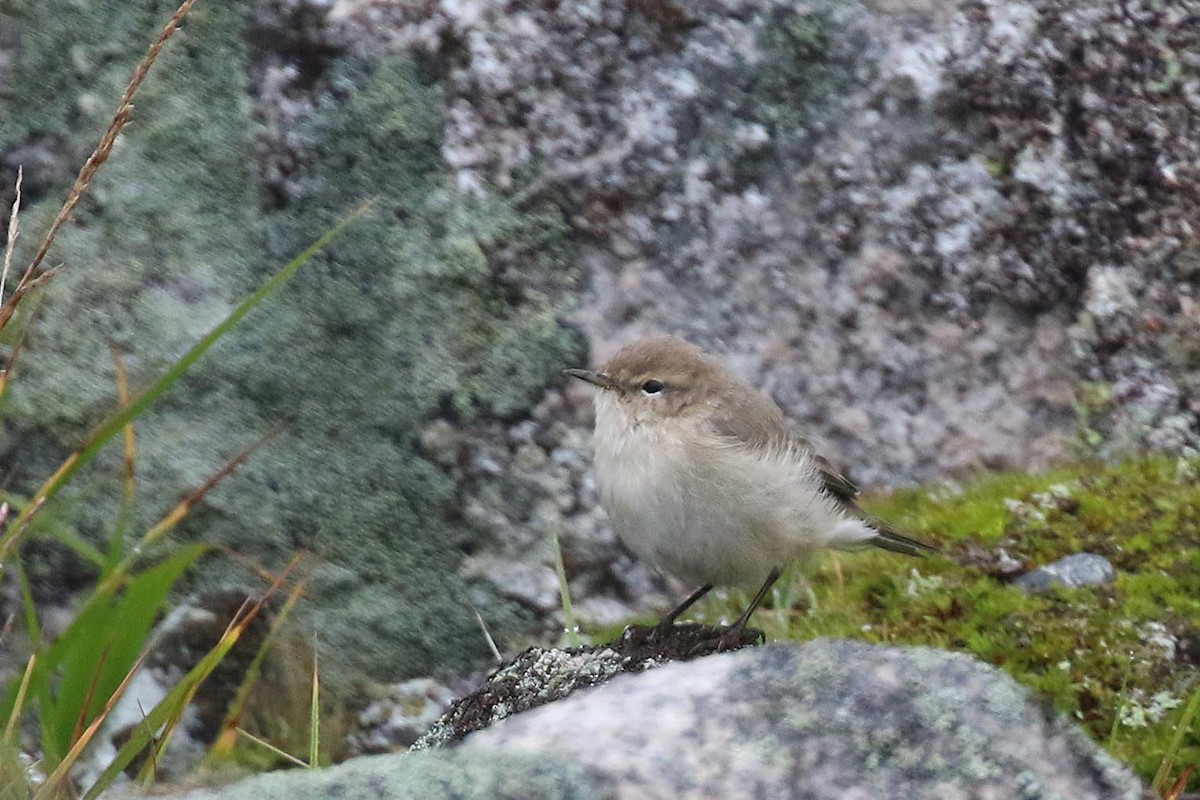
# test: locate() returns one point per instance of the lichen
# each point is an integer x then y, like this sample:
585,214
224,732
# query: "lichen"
418,312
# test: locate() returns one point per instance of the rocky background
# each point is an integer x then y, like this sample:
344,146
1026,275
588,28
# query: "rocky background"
943,236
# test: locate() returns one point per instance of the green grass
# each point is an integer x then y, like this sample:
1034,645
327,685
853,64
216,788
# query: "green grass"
1095,653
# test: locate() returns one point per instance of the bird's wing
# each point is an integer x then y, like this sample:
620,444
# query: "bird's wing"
754,419
834,482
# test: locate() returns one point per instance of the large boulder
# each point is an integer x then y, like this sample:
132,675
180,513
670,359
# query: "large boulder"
940,235
830,719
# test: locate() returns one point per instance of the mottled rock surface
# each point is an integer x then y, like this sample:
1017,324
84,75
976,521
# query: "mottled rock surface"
415,314
919,226
830,719
941,235
540,676
444,776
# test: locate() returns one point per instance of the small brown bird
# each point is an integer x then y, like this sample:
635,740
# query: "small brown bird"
701,477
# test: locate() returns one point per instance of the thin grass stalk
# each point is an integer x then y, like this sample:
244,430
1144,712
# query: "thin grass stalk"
117,573
117,546
223,745
117,421
89,697
176,515
314,714
10,729
152,762
181,694
1121,700
13,232
572,628
1175,791
487,635
100,155
1172,752
6,372
272,748
32,626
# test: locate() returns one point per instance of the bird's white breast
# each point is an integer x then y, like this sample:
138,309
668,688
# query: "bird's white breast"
707,513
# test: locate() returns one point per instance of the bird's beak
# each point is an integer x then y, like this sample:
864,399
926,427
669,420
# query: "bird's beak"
594,378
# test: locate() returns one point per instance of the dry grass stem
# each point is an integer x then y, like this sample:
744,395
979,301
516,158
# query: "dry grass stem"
488,636
184,507
95,161
13,231
10,730
56,781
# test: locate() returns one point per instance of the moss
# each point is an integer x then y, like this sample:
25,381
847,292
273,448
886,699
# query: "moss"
70,58
1094,653
432,305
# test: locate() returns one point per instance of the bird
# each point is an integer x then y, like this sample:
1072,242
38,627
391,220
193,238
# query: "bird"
701,476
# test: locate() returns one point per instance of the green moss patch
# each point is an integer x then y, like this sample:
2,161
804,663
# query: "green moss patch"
1119,659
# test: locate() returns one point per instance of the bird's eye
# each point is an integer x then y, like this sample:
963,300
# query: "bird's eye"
652,387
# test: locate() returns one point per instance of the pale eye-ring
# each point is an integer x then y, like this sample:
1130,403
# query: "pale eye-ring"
652,387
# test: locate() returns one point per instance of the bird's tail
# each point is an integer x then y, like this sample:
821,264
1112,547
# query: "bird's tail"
888,538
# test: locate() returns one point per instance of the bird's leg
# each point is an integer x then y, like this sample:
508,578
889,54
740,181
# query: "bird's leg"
691,600
736,629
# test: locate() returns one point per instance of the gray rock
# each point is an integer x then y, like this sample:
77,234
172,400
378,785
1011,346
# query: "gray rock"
918,226
419,776
830,719
1078,569
541,676
397,717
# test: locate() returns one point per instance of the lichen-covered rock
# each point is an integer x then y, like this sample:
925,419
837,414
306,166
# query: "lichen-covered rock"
830,719
540,676
919,226
940,235
416,313
441,776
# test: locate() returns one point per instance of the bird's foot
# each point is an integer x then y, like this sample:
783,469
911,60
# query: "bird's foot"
682,641
643,635
728,639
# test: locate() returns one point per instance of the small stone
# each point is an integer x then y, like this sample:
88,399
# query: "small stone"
1079,569
400,717
441,442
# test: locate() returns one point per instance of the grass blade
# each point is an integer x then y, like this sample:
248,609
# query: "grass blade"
10,729
6,373
116,547
227,738
314,714
55,779
572,628
32,626
277,751
176,515
13,232
103,640
100,155
117,421
181,694
1185,724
